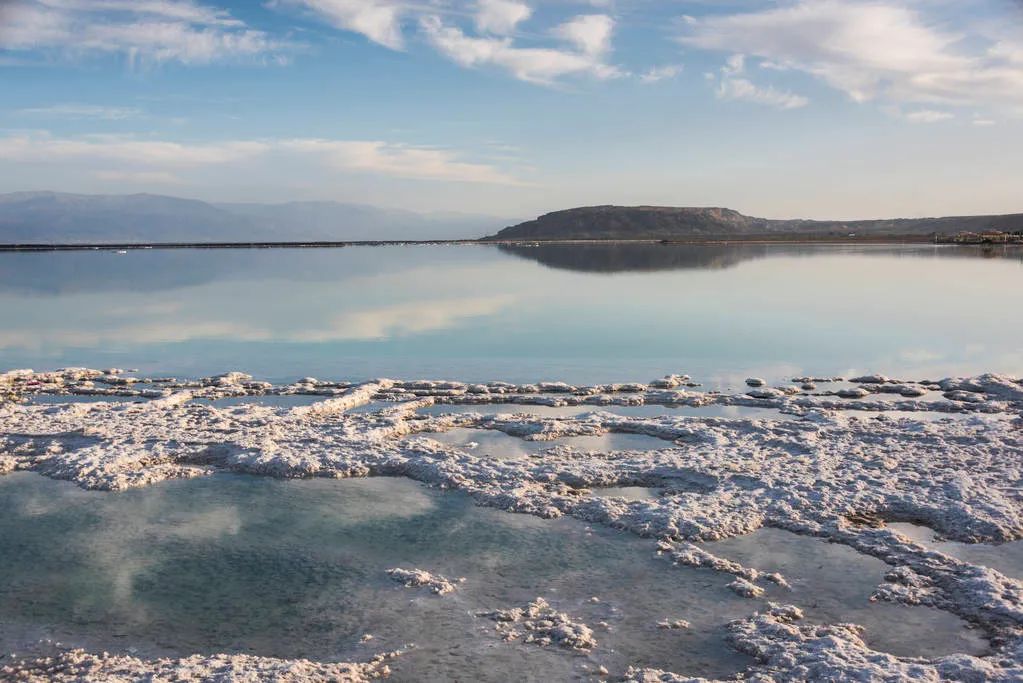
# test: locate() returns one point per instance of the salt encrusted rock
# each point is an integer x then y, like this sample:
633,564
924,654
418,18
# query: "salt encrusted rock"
229,378
765,393
854,392
746,589
670,382
637,675
414,578
1004,388
755,382
543,625
870,379
73,666
676,624
964,396
788,651
690,555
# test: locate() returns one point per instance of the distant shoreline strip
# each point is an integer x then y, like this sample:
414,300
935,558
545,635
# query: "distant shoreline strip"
773,239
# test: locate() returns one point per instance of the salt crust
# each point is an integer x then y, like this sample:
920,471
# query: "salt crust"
834,468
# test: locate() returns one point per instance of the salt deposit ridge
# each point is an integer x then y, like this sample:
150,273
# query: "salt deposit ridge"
833,463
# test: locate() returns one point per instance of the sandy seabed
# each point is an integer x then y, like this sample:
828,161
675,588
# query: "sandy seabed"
832,463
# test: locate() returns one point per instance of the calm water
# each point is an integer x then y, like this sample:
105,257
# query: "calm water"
298,569
481,312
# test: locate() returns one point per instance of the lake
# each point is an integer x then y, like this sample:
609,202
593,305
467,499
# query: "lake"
573,313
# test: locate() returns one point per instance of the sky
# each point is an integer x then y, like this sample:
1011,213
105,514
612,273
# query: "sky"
776,108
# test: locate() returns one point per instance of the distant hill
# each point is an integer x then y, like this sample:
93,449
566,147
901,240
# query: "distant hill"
662,222
54,217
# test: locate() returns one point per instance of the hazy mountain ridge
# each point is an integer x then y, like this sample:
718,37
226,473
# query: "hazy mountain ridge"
61,218
661,222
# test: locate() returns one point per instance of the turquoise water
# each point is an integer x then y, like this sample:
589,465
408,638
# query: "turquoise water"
298,569
609,313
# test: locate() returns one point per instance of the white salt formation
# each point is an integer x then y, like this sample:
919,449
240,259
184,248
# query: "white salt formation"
71,666
414,578
542,625
836,467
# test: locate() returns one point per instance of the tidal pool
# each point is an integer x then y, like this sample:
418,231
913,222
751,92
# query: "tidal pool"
629,493
496,444
298,569
732,412
1006,558
833,583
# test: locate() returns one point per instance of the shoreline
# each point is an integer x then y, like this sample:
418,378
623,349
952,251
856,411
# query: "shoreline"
701,241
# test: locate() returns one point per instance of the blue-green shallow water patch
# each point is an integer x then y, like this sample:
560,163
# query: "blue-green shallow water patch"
297,569
833,583
1006,558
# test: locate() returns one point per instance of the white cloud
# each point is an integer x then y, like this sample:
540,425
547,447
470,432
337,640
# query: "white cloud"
180,10
42,148
115,157
927,116
660,73
590,33
378,20
732,84
500,17
83,111
140,177
475,33
400,161
145,31
871,49
532,64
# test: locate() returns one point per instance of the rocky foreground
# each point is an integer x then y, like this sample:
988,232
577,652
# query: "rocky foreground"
837,461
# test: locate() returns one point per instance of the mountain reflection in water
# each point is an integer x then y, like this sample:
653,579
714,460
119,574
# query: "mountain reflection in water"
646,257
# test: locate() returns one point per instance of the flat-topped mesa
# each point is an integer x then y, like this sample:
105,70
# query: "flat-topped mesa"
683,223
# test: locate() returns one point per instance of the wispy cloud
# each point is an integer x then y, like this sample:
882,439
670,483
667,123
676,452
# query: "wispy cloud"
732,84
378,20
660,73
927,116
501,17
44,148
588,40
82,111
123,157
872,50
147,31
400,161
479,33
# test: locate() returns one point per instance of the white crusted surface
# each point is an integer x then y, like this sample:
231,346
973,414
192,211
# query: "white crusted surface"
67,666
543,625
415,578
824,471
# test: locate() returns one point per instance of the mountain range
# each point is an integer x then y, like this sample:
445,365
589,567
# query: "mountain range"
663,222
61,218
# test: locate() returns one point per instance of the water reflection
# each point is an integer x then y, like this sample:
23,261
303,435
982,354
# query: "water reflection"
518,314
623,258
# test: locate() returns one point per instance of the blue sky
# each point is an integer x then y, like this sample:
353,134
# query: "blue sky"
808,108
